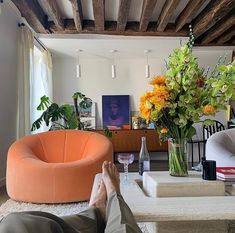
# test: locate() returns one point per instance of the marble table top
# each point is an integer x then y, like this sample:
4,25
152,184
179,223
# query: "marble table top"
150,209
162,184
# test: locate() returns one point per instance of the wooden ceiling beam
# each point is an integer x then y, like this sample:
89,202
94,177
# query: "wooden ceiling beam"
54,12
98,10
166,14
188,13
33,13
212,13
219,28
132,29
123,12
77,13
227,36
147,11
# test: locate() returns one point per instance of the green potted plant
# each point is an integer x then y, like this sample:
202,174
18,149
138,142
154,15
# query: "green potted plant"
64,116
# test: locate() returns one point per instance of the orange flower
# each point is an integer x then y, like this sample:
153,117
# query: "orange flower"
208,109
145,105
158,80
163,131
160,97
145,112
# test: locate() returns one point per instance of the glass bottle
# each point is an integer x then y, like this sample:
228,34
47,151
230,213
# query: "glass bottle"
144,159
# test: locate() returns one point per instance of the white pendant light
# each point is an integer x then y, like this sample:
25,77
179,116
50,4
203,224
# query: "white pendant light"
147,67
78,65
113,67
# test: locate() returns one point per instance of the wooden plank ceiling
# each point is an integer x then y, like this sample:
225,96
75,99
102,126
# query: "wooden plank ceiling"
212,25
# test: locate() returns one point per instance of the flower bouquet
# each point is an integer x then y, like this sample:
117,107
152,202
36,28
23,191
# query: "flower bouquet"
181,97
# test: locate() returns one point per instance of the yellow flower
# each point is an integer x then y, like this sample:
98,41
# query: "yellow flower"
208,109
163,131
146,105
160,97
158,80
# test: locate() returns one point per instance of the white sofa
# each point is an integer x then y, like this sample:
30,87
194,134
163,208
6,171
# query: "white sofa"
221,148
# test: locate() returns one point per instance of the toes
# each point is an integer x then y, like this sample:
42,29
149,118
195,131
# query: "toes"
105,166
110,168
116,172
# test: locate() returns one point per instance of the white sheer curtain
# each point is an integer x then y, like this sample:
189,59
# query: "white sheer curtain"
34,81
41,83
25,70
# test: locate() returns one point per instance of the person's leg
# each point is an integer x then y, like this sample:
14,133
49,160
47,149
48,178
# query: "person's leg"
119,216
88,221
93,219
34,222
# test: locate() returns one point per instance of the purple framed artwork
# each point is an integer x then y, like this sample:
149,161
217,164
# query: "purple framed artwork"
116,111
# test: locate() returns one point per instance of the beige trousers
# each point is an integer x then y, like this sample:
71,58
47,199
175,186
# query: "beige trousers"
119,220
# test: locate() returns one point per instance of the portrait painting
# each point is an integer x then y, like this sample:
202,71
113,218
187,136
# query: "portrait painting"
116,111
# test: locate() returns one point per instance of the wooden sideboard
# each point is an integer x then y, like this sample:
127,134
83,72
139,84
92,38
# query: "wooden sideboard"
129,140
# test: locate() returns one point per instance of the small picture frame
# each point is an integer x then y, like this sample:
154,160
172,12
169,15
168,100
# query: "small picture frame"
88,112
89,122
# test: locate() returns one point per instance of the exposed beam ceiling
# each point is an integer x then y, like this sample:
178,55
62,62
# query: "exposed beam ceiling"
227,36
188,13
33,13
123,12
98,9
219,28
77,13
147,11
166,13
54,13
213,12
212,20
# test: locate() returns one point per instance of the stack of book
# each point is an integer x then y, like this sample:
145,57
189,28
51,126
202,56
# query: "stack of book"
226,174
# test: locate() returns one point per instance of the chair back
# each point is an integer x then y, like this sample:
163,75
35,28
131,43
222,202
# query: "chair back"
208,130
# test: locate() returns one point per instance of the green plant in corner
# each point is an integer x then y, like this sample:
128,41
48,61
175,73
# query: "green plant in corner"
64,116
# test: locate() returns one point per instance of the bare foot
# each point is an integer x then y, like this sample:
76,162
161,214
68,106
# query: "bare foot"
110,177
99,200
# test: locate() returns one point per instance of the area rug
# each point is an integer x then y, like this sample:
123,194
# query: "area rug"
57,209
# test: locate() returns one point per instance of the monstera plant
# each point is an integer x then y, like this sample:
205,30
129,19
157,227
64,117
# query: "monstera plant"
65,116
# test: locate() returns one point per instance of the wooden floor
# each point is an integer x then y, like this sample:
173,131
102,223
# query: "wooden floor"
156,165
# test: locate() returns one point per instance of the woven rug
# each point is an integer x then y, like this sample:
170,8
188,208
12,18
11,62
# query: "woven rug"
57,209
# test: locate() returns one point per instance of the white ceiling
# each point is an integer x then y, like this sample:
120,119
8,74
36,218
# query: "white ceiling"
98,45
93,46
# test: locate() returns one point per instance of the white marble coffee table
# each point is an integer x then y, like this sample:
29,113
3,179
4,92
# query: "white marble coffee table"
176,214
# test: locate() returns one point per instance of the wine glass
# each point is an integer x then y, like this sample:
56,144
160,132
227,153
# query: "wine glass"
125,159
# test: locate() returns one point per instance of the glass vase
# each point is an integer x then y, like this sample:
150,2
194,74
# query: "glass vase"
178,157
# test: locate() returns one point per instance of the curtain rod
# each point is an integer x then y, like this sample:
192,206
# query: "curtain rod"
39,42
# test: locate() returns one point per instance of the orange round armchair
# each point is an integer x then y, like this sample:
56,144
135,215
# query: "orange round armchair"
56,166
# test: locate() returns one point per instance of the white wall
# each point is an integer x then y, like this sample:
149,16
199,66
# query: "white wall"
8,62
96,80
96,76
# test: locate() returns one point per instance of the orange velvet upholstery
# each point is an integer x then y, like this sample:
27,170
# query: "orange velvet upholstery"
56,166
